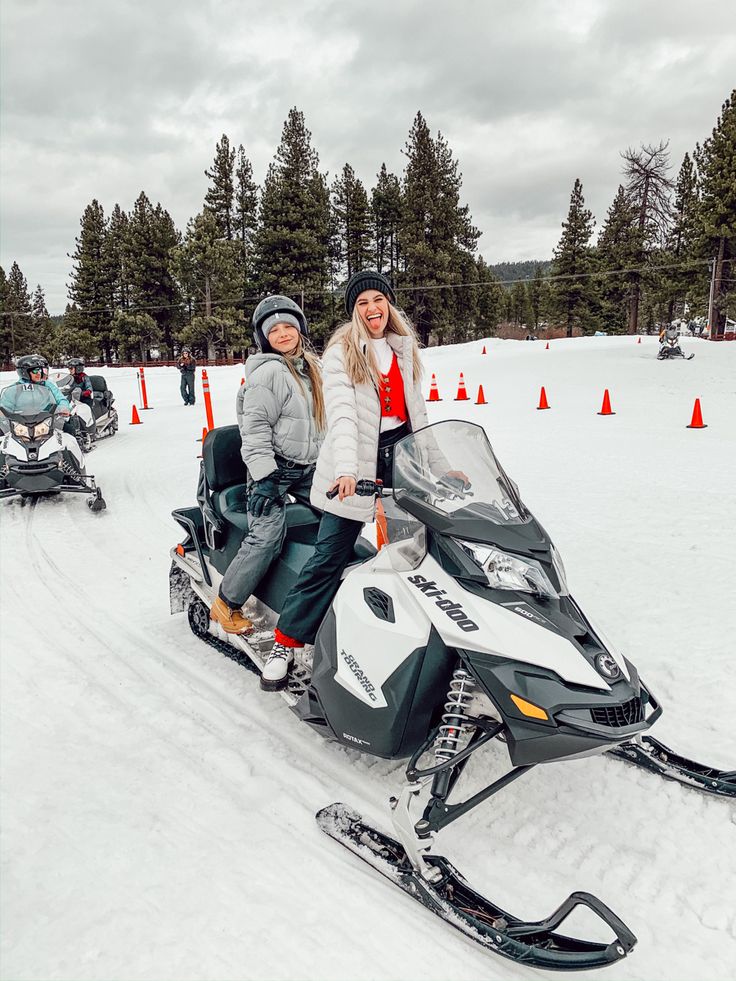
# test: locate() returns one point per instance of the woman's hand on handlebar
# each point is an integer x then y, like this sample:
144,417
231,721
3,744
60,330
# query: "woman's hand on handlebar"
343,487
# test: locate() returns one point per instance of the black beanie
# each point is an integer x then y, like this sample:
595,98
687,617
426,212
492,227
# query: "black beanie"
366,280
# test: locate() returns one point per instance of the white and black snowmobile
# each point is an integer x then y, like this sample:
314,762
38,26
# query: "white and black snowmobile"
669,345
90,423
461,633
37,457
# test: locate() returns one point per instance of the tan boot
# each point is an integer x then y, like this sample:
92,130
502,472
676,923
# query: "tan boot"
231,621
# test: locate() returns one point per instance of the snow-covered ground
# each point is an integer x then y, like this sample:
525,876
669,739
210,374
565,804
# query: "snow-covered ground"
158,809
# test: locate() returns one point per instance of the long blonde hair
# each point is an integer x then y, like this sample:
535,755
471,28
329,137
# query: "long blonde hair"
360,364
314,372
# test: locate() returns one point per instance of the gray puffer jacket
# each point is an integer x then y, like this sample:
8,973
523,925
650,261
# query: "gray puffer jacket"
274,416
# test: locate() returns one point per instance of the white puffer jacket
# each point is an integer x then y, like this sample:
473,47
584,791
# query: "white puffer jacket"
353,413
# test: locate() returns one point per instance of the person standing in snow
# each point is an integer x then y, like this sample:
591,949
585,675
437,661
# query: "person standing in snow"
372,375
187,366
281,417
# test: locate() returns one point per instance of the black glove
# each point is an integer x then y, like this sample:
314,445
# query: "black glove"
266,493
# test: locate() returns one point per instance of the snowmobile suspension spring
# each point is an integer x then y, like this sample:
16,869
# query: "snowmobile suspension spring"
459,695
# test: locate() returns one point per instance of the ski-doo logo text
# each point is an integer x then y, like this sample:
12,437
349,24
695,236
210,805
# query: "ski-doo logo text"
368,687
453,610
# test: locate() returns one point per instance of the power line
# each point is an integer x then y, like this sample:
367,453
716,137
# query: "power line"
229,301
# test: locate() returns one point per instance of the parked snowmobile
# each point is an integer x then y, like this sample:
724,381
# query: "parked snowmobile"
36,457
461,633
669,344
96,421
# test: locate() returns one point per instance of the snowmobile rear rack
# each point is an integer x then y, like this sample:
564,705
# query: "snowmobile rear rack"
532,943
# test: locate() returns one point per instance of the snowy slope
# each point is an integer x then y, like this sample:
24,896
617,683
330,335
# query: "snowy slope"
157,811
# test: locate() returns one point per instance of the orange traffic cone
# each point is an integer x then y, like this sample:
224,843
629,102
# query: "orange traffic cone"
462,395
484,349
135,419
434,392
381,526
543,403
481,400
697,420
546,346
606,407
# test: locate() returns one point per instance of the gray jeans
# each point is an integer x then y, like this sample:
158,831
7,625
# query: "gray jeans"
263,541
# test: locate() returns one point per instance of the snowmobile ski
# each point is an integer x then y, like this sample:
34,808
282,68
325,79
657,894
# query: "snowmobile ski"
534,944
654,756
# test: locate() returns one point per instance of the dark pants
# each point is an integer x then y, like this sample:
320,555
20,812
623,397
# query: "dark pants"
319,580
264,539
187,387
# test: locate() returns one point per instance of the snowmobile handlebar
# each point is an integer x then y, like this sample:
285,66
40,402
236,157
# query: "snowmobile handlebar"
363,488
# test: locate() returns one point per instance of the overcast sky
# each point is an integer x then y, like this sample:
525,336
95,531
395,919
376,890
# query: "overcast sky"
105,98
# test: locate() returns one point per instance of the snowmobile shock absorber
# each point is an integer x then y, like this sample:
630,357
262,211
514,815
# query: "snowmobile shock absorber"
453,724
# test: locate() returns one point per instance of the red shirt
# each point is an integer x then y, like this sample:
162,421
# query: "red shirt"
391,392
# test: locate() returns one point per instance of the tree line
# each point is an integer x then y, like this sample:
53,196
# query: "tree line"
138,283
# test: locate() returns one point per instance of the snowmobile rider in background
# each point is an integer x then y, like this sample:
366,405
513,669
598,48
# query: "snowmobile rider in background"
187,366
33,369
281,417
82,381
373,398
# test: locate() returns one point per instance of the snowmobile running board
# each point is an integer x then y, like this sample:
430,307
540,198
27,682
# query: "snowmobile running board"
453,900
651,755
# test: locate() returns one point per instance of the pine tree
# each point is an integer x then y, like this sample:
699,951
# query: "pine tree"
246,220
72,339
116,259
291,243
572,293
153,290
18,334
716,162
491,301
90,287
386,209
207,267
537,294
619,247
648,190
352,222
437,237
219,196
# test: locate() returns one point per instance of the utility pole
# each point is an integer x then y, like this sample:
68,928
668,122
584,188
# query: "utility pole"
713,336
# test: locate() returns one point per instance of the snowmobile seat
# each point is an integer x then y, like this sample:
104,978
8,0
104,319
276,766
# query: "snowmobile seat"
101,395
98,384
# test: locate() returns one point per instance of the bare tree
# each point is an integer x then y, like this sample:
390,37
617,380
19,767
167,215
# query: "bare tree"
648,189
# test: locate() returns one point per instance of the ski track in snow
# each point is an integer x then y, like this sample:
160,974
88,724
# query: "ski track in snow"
158,809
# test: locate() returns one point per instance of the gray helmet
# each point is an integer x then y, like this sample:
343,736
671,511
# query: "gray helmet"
270,307
29,363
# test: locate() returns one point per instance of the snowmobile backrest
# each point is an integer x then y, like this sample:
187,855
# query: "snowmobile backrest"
223,464
98,383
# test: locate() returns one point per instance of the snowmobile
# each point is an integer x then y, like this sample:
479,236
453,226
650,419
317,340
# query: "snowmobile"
461,633
669,346
37,457
95,422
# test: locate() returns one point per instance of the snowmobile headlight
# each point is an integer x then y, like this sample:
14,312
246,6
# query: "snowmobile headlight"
42,429
21,431
504,571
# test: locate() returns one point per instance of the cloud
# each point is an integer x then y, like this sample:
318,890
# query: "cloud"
106,100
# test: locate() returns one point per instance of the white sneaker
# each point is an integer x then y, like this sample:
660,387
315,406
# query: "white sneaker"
276,668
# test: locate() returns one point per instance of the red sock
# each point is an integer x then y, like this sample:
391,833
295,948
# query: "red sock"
286,641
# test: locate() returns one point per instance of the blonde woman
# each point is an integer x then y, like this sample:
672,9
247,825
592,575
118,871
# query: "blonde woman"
281,417
372,374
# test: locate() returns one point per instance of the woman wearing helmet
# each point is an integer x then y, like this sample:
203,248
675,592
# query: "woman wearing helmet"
33,369
281,416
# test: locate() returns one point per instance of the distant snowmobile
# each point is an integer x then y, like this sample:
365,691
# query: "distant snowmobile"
95,422
462,633
36,457
669,344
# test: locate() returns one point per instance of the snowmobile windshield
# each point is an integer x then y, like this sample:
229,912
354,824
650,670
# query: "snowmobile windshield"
64,382
27,400
452,467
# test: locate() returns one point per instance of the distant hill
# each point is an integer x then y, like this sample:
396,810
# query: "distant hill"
509,271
